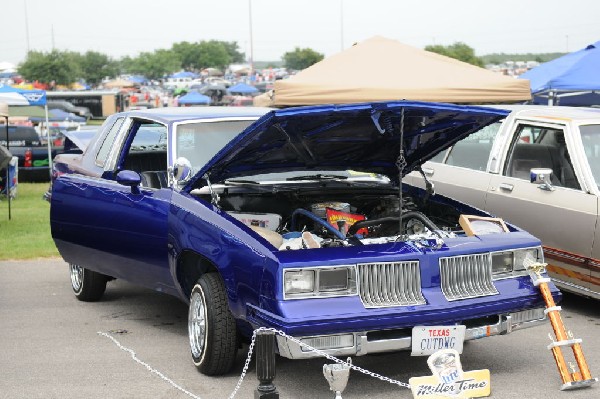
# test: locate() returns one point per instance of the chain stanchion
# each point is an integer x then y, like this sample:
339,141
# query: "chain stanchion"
265,366
319,352
573,379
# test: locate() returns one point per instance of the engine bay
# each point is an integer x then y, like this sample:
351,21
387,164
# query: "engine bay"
318,217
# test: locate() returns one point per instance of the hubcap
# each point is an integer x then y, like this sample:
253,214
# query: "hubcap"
197,324
76,277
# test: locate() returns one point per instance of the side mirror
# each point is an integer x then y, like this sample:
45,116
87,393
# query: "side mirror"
542,177
182,170
131,179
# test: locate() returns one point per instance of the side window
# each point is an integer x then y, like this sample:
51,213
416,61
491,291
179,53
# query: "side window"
108,142
473,151
146,153
541,147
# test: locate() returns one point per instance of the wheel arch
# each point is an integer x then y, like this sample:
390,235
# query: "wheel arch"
190,267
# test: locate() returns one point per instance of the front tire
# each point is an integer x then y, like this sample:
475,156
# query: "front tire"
87,285
211,327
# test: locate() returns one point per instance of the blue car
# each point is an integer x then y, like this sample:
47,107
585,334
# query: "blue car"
294,219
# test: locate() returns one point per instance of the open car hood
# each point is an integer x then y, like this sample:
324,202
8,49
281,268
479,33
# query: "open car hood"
361,137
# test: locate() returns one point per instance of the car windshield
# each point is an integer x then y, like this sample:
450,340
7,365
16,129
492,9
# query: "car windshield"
590,136
198,142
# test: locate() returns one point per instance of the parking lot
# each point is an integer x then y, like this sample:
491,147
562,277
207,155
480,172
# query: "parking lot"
50,347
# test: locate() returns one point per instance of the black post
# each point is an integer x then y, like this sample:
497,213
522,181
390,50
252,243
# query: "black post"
265,366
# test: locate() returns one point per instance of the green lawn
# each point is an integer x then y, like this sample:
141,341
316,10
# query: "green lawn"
27,234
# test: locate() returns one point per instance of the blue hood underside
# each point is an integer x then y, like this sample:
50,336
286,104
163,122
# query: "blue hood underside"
362,137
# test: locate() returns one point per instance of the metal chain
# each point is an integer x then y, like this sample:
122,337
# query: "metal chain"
317,351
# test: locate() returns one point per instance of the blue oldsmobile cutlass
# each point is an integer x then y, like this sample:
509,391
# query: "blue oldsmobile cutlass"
294,219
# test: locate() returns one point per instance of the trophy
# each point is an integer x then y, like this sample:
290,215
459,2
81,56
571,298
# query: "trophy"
337,376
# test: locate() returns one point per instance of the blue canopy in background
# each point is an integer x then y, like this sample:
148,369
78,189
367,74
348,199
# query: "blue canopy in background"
194,98
569,80
243,88
184,74
13,96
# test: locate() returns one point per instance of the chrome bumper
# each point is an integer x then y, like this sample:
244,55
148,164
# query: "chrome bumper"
362,345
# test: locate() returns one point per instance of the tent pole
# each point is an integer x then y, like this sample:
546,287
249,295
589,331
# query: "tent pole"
49,143
7,185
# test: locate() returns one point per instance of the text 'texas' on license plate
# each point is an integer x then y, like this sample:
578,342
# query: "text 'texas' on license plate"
429,339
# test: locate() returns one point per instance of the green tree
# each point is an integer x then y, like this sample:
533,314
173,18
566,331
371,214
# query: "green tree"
236,56
459,51
153,65
213,54
188,53
301,58
59,66
96,66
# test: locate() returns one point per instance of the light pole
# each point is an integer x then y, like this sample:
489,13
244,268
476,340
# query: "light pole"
26,26
251,44
341,25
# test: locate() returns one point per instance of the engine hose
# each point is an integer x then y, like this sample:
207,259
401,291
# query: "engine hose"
389,219
315,218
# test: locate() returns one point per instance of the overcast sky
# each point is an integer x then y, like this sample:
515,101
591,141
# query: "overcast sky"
128,27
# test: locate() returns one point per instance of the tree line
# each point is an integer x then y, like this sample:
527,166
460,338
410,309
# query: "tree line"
66,67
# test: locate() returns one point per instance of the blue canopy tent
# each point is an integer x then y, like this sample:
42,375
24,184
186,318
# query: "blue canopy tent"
243,88
572,79
13,96
194,98
184,74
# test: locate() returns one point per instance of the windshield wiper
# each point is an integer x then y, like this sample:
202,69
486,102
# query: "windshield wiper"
318,177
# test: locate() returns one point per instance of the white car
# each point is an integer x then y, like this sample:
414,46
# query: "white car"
540,169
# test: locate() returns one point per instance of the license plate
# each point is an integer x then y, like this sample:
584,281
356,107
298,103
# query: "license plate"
430,339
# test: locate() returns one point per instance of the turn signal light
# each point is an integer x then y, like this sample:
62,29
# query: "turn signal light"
28,159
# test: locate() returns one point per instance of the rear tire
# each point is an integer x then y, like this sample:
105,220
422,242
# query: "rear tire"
87,285
211,327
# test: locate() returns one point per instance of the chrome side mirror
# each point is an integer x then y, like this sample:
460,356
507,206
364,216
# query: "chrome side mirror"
181,170
542,177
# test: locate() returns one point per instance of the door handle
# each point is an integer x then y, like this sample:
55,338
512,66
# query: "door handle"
428,171
506,187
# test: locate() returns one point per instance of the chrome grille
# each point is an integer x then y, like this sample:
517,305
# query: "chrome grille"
467,276
390,284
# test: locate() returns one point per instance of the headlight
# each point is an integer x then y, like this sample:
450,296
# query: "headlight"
524,257
502,262
512,263
300,281
319,282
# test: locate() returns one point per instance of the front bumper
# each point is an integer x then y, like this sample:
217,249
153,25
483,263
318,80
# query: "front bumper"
366,342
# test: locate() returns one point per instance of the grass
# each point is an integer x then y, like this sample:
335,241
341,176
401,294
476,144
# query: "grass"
27,234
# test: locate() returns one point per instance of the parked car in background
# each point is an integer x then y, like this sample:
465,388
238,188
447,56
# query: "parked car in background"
540,168
24,143
68,107
294,219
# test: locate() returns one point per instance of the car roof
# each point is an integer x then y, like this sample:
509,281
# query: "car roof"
541,111
174,114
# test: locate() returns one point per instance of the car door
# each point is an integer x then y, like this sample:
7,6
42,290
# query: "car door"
461,172
563,217
112,228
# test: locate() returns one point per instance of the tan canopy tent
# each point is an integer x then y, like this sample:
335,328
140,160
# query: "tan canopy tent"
381,69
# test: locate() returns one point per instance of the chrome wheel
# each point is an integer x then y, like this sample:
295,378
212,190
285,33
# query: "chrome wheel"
76,277
197,323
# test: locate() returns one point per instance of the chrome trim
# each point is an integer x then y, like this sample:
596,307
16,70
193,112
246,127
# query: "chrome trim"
506,324
389,284
467,276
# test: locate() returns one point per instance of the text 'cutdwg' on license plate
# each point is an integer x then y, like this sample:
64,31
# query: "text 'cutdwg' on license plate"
430,339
